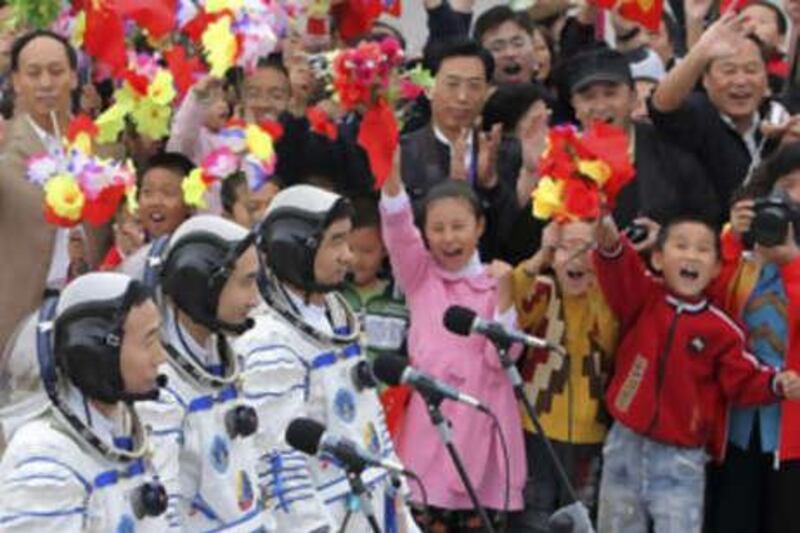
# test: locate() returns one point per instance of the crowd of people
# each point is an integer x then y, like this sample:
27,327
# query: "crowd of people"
200,365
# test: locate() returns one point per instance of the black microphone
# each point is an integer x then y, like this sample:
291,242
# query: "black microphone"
464,321
310,437
236,329
394,370
149,396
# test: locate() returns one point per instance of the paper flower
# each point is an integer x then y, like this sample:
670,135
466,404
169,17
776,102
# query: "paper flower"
221,162
259,143
582,174
220,46
194,189
64,198
152,119
321,123
548,198
41,168
81,131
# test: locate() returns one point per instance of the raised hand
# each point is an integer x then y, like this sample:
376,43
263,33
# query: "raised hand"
488,148
742,216
722,37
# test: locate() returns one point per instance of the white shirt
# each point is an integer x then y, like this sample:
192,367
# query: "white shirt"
59,261
467,153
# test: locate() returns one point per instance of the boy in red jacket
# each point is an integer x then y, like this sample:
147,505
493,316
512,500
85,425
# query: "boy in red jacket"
680,364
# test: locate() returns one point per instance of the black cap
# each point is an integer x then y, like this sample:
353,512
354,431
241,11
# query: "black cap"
597,65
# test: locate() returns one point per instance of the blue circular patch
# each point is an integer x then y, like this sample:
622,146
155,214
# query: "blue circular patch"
126,524
219,454
344,405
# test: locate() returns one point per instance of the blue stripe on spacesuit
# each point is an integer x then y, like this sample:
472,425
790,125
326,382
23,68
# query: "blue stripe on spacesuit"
111,477
204,403
389,513
329,358
369,485
45,459
42,514
201,505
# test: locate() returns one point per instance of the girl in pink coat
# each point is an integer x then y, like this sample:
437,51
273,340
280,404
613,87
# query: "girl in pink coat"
446,272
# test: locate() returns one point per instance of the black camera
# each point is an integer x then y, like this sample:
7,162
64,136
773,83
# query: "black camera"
770,226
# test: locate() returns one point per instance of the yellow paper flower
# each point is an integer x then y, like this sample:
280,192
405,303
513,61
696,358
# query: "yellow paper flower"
162,90
597,170
152,119
213,6
548,198
111,123
194,189
83,142
259,142
64,197
220,46
79,30
131,202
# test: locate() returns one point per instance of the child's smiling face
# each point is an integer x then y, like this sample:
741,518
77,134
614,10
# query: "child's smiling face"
688,259
452,230
572,259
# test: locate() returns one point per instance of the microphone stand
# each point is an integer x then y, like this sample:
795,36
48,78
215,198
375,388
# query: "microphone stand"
360,491
516,381
434,402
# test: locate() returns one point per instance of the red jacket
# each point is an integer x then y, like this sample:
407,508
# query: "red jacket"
680,364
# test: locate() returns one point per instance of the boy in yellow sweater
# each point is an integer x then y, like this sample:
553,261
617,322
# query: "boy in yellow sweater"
566,307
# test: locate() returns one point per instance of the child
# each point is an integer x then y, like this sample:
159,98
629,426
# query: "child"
568,309
128,237
161,205
755,488
680,363
380,308
447,272
236,202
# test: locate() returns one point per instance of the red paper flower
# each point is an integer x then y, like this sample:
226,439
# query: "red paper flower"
81,124
100,210
321,123
104,38
274,129
581,198
155,16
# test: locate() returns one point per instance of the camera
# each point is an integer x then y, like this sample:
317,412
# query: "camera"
773,214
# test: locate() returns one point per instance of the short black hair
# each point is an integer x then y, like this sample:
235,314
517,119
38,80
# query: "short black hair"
460,48
23,40
780,16
229,191
366,214
494,17
784,161
456,189
693,217
273,61
173,161
509,102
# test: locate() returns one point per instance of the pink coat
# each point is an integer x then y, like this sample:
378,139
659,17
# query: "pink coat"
469,363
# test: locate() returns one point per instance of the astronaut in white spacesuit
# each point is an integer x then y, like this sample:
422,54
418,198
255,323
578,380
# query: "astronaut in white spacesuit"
302,359
80,461
202,429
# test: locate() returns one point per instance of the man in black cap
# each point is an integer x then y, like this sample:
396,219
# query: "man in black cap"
599,87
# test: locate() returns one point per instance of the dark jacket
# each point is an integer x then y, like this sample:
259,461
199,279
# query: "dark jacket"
426,162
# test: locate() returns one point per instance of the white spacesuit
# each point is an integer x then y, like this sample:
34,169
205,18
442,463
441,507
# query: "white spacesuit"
301,360
70,466
200,426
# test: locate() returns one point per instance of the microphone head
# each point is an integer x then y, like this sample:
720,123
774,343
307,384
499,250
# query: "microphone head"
459,320
304,435
389,368
162,381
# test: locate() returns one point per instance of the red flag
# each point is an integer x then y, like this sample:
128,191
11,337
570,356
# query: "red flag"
646,12
156,16
184,70
104,38
378,136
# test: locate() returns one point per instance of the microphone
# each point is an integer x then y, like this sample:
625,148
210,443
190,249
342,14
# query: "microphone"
310,437
149,396
464,321
394,370
235,329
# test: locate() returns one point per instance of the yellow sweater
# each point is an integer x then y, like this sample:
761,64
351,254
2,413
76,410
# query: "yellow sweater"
566,392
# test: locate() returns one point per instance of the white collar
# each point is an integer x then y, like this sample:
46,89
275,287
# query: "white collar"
104,427
473,267
440,136
182,340
50,142
312,314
